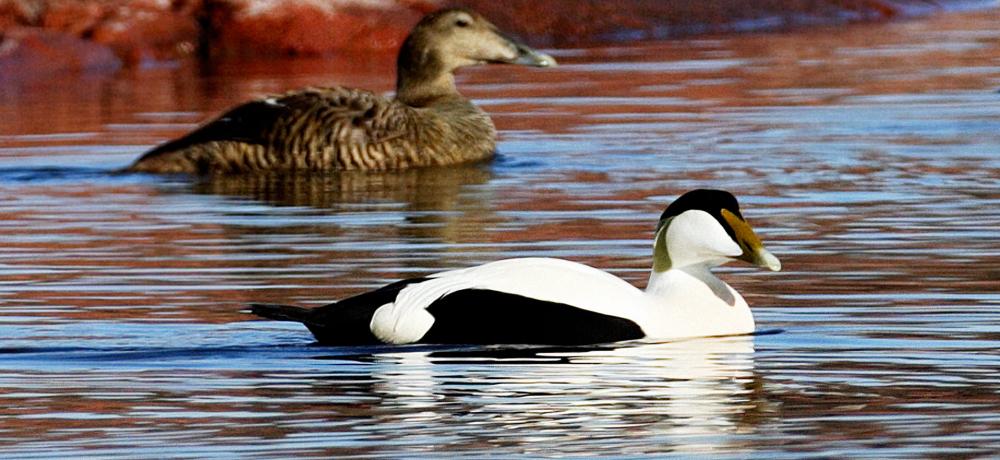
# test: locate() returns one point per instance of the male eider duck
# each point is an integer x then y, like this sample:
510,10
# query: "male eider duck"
554,301
321,129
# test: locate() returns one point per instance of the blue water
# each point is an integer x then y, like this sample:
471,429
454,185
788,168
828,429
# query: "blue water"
866,157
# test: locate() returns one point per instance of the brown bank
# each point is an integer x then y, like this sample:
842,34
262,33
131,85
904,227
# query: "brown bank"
44,36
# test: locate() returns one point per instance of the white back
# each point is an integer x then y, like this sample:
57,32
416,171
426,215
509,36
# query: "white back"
554,280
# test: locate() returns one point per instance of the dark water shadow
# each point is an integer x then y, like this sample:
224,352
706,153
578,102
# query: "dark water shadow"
321,190
42,174
360,354
510,354
514,354
504,162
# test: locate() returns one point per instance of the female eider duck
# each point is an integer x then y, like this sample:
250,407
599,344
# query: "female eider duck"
321,129
554,301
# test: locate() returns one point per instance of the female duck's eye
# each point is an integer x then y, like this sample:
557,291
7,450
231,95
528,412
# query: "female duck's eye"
462,23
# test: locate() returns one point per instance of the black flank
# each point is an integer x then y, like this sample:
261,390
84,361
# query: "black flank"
481,316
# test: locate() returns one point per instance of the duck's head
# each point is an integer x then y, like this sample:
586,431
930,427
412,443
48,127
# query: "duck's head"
705,227
449,39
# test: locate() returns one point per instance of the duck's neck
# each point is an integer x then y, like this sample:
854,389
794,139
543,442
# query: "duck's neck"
677,265
689,280
422,77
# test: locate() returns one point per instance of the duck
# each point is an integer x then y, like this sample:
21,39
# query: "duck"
426,123
549,301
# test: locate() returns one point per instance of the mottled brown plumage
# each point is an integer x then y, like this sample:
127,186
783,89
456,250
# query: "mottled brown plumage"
314,129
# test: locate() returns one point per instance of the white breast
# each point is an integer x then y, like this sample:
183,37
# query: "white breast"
692,302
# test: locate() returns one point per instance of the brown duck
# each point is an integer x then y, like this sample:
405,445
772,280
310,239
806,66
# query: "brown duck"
317,129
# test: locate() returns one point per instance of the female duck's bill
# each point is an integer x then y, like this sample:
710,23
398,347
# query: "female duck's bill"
321,129
554,301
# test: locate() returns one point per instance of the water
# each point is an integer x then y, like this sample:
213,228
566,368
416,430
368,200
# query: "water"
866,157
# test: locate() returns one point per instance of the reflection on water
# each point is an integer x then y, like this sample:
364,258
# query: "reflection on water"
617,400
642,397
425,189
865,156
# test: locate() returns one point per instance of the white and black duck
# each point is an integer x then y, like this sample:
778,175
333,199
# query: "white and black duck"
554,301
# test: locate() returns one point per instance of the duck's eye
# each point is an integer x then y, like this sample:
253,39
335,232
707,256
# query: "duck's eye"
461,23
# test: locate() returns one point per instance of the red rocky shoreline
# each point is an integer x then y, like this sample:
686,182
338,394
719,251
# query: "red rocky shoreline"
45,36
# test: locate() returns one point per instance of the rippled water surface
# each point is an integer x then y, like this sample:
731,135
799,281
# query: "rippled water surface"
867,157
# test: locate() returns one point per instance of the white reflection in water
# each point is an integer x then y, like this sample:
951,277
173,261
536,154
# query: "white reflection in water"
686,394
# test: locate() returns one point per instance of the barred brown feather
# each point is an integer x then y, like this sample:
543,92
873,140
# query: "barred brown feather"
316,129
336,128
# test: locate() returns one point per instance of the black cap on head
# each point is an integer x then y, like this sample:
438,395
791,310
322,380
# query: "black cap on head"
710,201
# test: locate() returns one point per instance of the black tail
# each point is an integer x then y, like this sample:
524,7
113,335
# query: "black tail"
280,312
